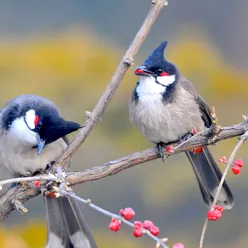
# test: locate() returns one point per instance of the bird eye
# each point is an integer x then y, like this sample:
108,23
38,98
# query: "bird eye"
159,71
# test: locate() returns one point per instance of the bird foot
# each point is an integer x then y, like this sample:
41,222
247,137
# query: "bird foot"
185,137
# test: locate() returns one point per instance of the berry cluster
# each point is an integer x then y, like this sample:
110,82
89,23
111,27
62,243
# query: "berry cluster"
215,213
139,227
236,167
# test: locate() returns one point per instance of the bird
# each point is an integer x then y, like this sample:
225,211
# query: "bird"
165,107
32,137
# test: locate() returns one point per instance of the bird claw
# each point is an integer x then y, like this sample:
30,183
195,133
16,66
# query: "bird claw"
185,137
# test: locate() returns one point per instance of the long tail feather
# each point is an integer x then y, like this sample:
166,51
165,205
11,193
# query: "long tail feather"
208,176
66,226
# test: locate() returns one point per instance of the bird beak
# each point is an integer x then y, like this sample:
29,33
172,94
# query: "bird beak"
40,144
142,71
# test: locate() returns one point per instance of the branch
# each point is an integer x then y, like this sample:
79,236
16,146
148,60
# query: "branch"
159,242
229,163
27,191
95,116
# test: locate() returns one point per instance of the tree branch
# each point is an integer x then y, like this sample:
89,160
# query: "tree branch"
95,116
27,191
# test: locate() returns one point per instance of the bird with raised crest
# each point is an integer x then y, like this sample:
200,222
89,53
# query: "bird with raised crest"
165,107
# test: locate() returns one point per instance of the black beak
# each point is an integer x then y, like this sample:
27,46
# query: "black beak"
142,71
40,144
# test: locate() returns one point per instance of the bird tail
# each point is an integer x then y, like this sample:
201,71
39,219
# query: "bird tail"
66,226
208,176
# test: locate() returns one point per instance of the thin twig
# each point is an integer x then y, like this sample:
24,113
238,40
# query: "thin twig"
113,85
43,177
111,215
229,163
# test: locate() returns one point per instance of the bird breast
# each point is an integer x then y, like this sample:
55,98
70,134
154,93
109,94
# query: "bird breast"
160,121
19,160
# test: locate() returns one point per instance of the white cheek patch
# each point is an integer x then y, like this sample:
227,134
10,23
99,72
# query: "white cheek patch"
20,133
30,117
148,86
166,80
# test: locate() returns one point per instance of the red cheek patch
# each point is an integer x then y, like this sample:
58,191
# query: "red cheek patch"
36,120
162,74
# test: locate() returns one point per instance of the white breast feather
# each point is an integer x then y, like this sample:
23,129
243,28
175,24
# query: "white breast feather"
160,121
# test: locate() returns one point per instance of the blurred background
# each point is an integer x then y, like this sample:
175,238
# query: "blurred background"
67,51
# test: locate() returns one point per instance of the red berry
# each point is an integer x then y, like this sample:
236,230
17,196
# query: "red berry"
196,150
137,232
169,149
194,130
239,163
147,224
121,212
222,160
128,213
36,184
214,214
219,208
52,194
218,214
114,225
178,245
138,224
236,169
154,230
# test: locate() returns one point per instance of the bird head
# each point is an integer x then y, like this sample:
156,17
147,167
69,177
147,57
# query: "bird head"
156,66
35,121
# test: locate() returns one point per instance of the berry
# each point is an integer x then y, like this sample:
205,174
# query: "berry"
137,232
52,194
36,184
128,213
196,150
219,208
114,225
138,224
214,214
236,169
121,212
222,160
154,231
239,163
169,149
178,245
147,224
194,131
218,214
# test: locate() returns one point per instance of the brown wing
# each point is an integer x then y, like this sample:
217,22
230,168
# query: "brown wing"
205,110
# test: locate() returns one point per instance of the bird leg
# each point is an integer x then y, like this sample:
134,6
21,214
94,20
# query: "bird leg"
160,150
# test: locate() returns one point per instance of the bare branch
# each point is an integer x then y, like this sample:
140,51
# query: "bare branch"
27,191
113,85
116,166
229,163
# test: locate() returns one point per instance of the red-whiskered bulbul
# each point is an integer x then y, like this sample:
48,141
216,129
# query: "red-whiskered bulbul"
32,136
165,107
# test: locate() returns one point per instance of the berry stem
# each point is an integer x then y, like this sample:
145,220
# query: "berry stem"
111,215
229,164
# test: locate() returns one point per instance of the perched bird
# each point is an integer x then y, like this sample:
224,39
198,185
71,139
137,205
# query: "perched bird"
165,107
32,136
